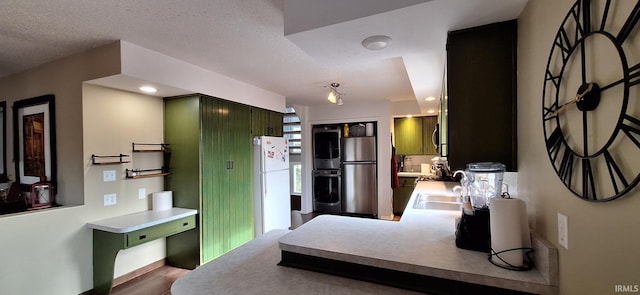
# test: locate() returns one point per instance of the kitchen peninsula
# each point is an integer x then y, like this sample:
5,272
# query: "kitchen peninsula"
421,246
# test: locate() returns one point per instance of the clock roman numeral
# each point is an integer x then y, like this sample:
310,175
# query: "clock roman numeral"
566,166
630,130
617,177
586,17
554,79
563,42
554,142
550,112
604,15
634,77
629,24
588,186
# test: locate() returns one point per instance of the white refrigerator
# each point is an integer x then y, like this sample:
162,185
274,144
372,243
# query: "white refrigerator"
272,199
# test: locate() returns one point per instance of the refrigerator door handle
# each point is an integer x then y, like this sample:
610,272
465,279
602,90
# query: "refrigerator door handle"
264,187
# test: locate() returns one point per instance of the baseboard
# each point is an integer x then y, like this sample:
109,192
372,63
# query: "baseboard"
132,275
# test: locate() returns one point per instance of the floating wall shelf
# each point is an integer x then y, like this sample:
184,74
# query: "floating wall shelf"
108,160
151,148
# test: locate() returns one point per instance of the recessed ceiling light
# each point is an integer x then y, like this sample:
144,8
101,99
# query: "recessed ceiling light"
148,89
430,98
376,42
431,111
409,116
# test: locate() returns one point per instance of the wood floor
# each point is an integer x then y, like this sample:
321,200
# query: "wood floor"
155,282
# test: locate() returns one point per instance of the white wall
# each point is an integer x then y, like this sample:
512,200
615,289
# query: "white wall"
50,251
350,112
152,66
603,237
112,121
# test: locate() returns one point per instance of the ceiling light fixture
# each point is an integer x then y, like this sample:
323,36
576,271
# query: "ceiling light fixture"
334,96
376,42
148,89
430,98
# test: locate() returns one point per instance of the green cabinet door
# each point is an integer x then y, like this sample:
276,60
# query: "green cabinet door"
182,131
409,136
239,149
226,177
428,128
275,123
211,172
265,122
259,121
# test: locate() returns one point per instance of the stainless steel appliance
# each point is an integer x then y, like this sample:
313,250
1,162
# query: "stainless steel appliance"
327,189
359,176
326,148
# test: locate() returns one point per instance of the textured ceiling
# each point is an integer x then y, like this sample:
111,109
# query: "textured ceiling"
245,39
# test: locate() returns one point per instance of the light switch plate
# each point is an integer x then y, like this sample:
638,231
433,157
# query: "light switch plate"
142,193
110,199
563,231
109,175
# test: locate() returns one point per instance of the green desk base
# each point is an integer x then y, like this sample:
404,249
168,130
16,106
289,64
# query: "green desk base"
106,246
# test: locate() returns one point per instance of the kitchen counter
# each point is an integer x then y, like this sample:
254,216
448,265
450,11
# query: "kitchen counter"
421,243
253,269
409,174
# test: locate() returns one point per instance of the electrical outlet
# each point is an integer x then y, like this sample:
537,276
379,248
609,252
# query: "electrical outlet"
142,193
109,175
563,231
110,199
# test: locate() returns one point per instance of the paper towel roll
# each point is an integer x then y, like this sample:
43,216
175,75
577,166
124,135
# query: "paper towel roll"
162,200
369,129
425,169
508,231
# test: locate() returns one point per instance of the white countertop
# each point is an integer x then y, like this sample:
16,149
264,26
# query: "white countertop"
409,174
135,221
422,242
252,269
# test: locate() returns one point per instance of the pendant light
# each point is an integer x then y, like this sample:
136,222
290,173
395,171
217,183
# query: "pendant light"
334,96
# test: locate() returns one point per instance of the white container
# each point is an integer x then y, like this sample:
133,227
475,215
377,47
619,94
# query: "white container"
369,129
162,200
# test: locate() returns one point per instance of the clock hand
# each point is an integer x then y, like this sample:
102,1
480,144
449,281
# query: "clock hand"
578,98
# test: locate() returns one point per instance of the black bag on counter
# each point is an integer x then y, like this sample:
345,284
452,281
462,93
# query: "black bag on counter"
473,231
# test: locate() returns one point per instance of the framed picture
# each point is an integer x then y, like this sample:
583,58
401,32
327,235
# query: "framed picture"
34,139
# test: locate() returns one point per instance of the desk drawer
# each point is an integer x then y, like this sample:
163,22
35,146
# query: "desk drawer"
144,235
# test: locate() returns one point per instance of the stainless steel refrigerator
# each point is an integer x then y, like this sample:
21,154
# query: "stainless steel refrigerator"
359,176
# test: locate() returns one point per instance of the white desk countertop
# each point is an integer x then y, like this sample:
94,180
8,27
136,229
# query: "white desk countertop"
135,221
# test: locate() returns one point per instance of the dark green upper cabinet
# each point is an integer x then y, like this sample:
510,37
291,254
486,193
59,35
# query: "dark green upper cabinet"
481,86
266,122
413,136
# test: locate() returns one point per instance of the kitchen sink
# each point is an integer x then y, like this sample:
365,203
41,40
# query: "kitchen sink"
437,202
